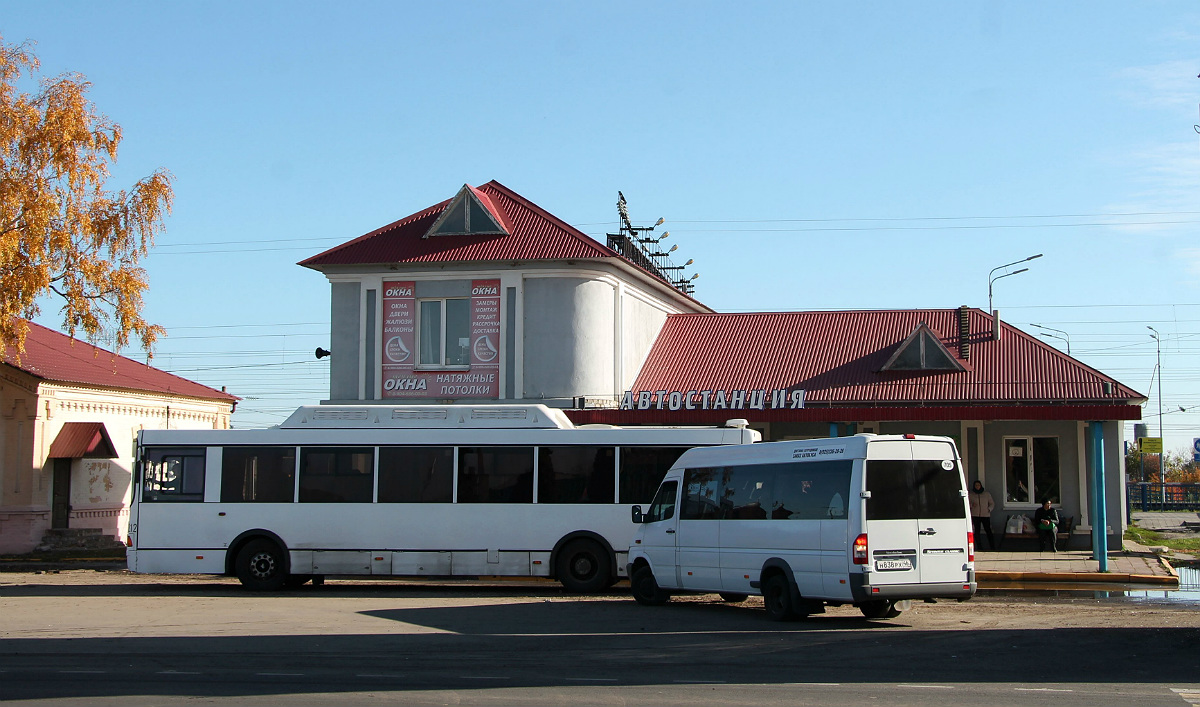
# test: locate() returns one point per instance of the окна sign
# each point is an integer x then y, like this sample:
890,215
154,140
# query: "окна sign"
404,377
777,399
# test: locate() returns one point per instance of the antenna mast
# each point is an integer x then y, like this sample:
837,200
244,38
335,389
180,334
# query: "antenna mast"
639,245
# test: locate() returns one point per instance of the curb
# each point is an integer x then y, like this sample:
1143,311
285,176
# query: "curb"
1068,577
99,564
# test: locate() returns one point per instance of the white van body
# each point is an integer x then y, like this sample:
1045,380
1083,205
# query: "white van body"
868,520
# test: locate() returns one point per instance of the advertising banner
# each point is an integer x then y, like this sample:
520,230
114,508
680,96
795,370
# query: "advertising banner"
404,377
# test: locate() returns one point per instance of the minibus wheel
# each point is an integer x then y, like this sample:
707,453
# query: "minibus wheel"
645,588
260,566
583,567
777,599
881,609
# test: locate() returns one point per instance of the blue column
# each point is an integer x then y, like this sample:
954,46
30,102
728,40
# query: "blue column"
833,429
1096,495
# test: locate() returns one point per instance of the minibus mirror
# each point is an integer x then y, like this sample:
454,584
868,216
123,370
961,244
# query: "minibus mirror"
637,514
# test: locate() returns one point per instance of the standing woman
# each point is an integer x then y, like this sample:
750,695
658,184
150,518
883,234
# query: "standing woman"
981,513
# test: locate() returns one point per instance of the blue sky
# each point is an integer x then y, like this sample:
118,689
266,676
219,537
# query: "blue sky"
807,156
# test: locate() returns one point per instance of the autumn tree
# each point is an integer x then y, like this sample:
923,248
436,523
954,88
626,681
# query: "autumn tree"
61,232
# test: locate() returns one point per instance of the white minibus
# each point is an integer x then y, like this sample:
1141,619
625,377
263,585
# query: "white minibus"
870,520
406,490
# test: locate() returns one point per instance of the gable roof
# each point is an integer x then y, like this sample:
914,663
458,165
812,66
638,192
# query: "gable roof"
533,234
922,351
470,213
53,356
82,440
837,358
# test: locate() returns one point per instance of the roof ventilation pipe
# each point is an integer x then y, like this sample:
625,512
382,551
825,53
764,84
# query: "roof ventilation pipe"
995,325
964,333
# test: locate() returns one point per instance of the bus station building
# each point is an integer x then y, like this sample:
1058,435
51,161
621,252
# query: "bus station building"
486,297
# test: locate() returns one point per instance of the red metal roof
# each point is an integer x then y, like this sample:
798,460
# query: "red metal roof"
534,234
77,440
836,357
912,413
54,356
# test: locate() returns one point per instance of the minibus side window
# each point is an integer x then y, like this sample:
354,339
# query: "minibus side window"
748,492
663,505
812,491
702,494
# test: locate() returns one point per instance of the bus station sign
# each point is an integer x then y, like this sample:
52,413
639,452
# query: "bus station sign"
1150,445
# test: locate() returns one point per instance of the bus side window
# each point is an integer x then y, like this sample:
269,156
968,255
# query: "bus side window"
173,474
258,474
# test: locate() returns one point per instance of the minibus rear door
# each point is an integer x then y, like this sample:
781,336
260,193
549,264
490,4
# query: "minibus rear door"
893,543
942,511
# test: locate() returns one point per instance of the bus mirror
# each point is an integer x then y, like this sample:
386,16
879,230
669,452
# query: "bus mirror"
637,514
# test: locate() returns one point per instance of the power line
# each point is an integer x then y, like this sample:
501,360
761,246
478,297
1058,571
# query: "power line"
921,218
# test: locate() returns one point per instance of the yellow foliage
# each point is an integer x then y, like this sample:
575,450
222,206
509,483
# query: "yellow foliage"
61,232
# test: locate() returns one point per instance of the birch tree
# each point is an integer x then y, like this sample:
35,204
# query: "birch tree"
63,233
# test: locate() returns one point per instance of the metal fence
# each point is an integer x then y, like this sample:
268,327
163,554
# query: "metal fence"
1144,496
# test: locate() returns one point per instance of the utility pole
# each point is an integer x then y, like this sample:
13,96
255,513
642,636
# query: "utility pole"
1162,467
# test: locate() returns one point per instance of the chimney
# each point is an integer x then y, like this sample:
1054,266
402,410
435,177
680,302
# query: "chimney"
995,325
964,333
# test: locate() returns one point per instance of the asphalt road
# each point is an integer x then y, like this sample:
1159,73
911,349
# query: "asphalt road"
100,638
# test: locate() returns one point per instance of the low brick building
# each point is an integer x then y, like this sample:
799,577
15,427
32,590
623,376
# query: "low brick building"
69,416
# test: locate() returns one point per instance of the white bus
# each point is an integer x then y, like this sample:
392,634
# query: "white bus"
499,490
873,521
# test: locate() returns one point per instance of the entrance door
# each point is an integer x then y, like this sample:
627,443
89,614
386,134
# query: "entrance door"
60,508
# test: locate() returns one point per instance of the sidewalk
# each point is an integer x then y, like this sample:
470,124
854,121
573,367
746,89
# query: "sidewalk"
1134,565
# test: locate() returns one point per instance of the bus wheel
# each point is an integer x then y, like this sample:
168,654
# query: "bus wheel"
260,566
645,588
881,609
731,597
583,567
777,599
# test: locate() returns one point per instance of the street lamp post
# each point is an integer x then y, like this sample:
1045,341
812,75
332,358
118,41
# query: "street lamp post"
1162,470
1064,335
1009,274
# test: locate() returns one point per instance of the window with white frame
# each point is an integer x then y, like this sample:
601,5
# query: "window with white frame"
1031,470
444,335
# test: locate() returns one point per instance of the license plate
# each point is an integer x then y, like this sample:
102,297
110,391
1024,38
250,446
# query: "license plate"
899,564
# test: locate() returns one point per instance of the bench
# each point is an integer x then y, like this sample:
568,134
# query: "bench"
1065,526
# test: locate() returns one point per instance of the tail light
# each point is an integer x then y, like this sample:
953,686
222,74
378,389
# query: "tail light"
970,546
860,549
128,541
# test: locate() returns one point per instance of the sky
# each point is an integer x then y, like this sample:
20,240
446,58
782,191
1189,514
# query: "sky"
807,156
